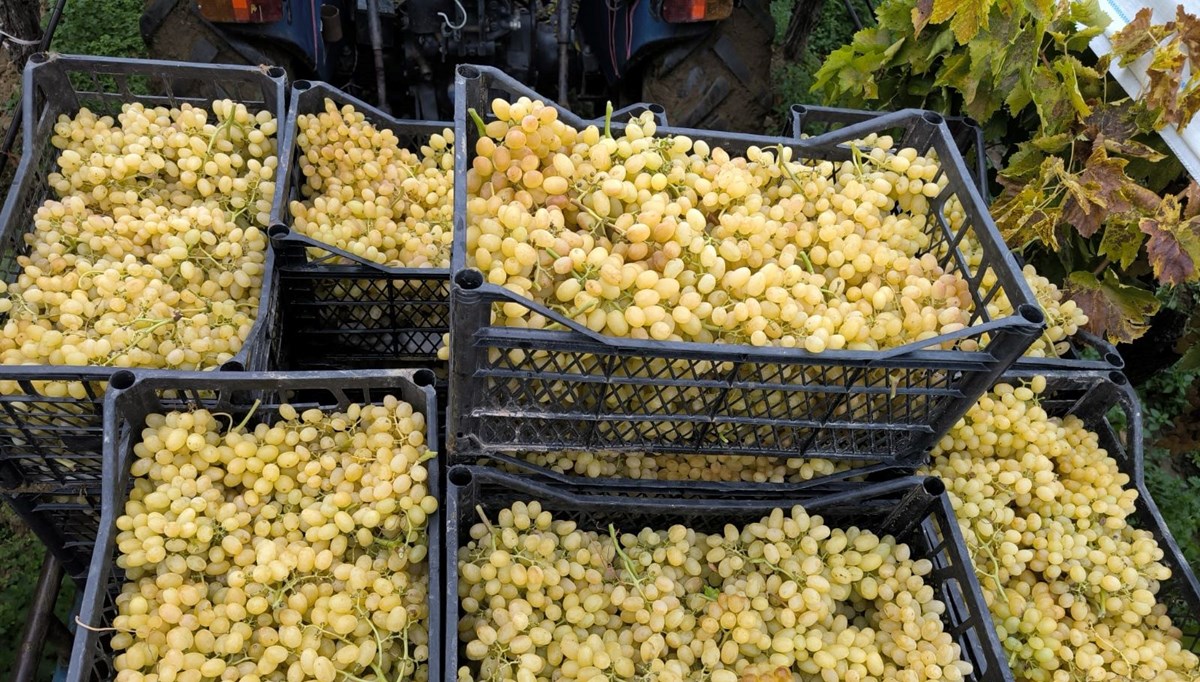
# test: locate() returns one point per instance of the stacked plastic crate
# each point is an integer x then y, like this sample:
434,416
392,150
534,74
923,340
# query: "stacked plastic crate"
524,413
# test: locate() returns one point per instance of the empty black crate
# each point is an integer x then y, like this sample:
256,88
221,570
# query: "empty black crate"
1092,397
134,395
914,510
515,389
50,439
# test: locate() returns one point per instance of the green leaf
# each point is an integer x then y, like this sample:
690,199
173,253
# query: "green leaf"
1053,101
1118,311
966,17
1024,162
1052,144
1190,360
1121,243
941,43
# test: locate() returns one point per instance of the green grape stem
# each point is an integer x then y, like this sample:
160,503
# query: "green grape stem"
479,125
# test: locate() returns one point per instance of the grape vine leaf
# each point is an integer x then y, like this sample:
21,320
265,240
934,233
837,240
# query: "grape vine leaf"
1165,75
1118,311
1096,192
1053,100
1069,68
966,17
1174,246
1090,21
1026,212
1191,198
1139,37
1122,241
921,12
1188,26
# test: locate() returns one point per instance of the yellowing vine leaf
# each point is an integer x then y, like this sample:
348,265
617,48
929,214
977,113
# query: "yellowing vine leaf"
966,16
1174,246
1118,311
921,12
1138,37
1122,242
1096,192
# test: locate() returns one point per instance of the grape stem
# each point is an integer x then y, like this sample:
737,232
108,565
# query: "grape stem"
608,112
629,567
246,420
479,126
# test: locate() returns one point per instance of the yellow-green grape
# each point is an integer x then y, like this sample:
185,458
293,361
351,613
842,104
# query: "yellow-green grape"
366,194
784,598
153,252
660,237
1045,511
674,467
291,550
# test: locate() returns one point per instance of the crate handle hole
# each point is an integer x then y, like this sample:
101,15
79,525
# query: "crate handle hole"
799,110
657,109
1031,314
1115,360
278,231
423,377
932,118
277,72
460,476
468,71
934,486
469,279
971,123
232,366
305,85
39,58
1118,378
122,380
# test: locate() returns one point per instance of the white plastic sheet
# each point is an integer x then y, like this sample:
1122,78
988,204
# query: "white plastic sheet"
1184,143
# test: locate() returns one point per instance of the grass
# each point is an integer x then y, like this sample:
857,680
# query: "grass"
100,27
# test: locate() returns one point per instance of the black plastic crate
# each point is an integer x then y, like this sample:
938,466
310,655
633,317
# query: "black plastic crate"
339,311
1092,396
518,389
135,395
914,510
51,440
807,120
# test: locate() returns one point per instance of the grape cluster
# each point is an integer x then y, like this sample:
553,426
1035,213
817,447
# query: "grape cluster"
675,467
291,551
544,599
1063,318
1071,584
666,238
154,253
369,196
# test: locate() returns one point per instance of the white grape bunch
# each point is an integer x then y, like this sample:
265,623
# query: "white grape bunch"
1072,585
784,598
366,194
294,550
683,467
154,252
665,238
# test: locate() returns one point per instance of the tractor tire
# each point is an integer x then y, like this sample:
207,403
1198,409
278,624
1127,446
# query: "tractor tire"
723,80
